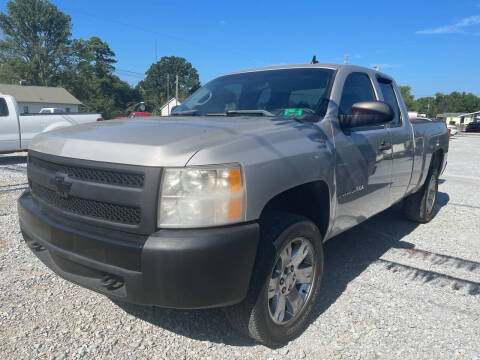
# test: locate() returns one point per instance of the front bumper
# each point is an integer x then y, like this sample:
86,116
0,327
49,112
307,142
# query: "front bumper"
195,268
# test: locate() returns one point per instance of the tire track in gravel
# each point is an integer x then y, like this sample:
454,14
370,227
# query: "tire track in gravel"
430,267
432,277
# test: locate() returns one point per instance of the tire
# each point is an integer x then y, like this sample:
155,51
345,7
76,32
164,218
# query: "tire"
254,316
420,207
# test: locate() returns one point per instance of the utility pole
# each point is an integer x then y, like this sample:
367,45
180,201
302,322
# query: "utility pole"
346,58
176,90
168,93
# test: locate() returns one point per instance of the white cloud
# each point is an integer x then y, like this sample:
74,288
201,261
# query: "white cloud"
457,28
222,22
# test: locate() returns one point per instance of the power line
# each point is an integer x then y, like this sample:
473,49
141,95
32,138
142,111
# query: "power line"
166,35
131,72
128,73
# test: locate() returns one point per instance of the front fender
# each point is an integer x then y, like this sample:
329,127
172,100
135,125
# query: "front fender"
276,161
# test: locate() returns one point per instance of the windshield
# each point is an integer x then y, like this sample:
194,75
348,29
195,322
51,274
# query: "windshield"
299,93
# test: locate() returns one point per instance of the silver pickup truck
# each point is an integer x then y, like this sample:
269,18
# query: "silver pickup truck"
227,203
16,131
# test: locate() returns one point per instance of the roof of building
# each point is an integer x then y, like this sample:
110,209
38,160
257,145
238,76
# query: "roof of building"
39,94
450,114
472,113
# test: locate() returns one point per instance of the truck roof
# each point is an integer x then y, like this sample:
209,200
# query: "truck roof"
332,66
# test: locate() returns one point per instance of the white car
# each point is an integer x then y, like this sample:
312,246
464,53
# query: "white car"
453,129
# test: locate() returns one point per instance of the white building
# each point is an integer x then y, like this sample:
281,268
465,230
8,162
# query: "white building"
31,99
455,117
416,114
470,117
167,108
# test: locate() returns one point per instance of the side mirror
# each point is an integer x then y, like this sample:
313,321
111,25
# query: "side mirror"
367,113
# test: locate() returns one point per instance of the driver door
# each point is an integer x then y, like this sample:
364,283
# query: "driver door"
363,160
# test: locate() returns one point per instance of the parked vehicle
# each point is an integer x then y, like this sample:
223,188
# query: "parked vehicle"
453,129
473,127
18,130
228,202
134,114
52,111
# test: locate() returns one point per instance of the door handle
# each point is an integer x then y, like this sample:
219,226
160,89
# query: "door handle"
384,146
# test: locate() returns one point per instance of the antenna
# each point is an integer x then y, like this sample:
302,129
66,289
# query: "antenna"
314,60
346,58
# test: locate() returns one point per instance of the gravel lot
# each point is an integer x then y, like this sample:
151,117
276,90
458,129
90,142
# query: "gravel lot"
393,290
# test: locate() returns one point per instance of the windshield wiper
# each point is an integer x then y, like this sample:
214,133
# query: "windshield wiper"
249,112
185,112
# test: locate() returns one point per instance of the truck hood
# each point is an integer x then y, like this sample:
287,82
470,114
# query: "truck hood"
152,142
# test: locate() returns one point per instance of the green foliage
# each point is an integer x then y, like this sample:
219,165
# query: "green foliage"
161,74
441,103
408,97
90,77
36,40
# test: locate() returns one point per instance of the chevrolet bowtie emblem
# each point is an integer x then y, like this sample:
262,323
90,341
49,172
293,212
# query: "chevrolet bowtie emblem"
62,187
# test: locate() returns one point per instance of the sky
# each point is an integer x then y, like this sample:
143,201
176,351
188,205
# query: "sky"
433,46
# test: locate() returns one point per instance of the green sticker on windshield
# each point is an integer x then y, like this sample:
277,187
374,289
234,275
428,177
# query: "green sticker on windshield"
292,112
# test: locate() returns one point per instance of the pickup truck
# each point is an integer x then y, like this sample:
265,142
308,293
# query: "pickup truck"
17,130
227,203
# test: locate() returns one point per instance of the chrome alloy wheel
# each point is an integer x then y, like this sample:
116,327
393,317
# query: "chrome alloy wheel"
291,280
431,194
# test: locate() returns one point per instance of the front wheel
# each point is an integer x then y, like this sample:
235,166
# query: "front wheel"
285,282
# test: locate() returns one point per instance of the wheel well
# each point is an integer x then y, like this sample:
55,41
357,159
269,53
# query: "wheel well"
311,200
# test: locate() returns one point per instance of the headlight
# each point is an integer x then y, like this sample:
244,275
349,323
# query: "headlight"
201,196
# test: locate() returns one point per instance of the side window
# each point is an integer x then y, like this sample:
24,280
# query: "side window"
25,109
3,107
390,98
358,87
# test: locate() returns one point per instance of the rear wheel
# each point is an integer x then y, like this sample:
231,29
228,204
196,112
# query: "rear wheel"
285,282
420,206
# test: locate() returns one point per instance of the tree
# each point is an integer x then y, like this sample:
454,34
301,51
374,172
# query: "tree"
441,103
90,78
36,41
408,97
162,74
426,105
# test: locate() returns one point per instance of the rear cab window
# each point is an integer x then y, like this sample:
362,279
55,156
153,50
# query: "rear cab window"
390,98
3,107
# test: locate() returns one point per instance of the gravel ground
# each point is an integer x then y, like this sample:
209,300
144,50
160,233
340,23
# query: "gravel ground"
393,290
